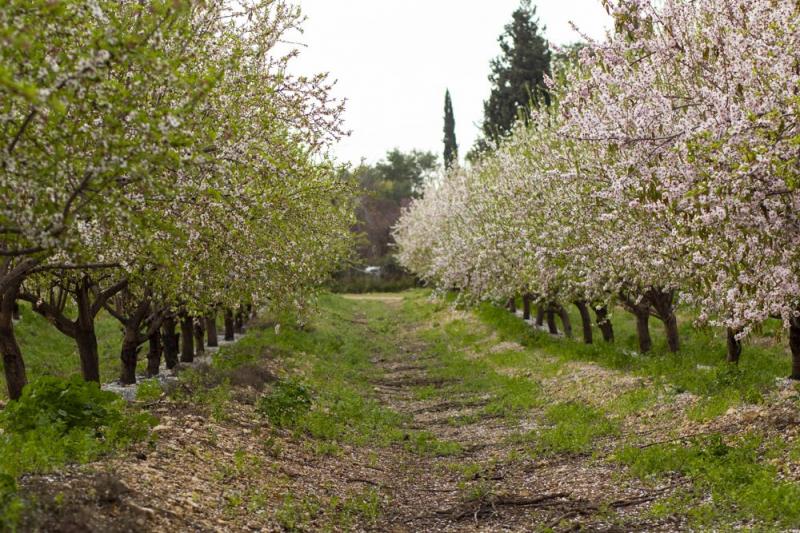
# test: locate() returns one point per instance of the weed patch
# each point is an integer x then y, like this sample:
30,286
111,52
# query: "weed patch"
572,428
56,422
733,474
285,403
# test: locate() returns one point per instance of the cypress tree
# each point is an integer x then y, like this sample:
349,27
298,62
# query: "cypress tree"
517,75
450,145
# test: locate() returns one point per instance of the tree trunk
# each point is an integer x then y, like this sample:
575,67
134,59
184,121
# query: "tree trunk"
643,330
794,344
565,321
230,326
734,347
169,339
512,305
526,306
551,320
211,328
86,339
586,320
85,336
199,337
154,354
239,321
13,363
664,304
129,355
187,341
539,316
671,329
15,312
603,322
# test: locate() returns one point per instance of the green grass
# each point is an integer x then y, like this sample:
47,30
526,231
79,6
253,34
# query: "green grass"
734,472
570,428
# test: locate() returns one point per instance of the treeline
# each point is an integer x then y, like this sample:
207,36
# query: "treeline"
664,169
158,162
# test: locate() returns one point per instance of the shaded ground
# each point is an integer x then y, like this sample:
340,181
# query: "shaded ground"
453,429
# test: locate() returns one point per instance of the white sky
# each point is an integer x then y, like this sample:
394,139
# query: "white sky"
394,59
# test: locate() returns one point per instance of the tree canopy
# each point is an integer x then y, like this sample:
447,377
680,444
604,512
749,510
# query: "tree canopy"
517,74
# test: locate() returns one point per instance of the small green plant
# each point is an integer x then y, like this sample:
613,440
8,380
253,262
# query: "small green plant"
366,506
426,443
295,513
285,403
573,429
149,391
11,505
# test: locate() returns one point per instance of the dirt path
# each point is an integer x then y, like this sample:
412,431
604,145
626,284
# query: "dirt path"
465,456
492,483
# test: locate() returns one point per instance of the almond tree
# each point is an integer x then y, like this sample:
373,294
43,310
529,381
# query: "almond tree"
179,162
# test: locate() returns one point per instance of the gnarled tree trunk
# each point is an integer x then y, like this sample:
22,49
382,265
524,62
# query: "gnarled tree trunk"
566,323
230,326
187,338
14,365
551,320
85,336
586,321
239,320
86,340
131,341
88,303
540,312
526,306
794,345
169,340
211,328
734,347
199,337
154,353
604,323
664,304
512,305
643,330
129,356
640,308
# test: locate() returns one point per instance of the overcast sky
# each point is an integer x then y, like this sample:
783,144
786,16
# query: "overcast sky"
394,59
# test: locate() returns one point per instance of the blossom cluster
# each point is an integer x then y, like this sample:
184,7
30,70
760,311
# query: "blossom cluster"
669,165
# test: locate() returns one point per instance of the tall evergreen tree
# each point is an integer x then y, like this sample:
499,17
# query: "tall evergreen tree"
517,76
450,145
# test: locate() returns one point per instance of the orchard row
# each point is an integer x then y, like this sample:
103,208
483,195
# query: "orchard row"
665,171
159,162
